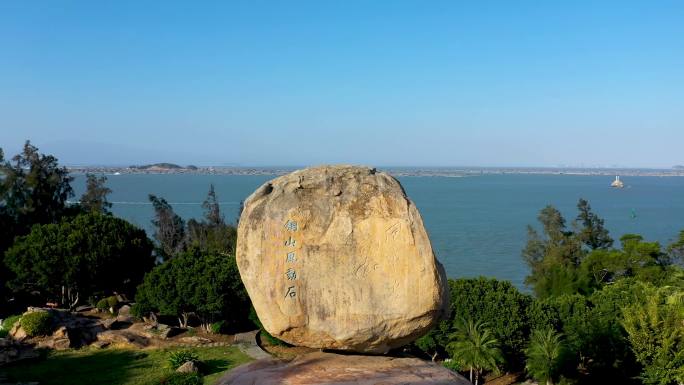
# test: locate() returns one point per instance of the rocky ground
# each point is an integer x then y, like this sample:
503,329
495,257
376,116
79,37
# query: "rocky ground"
92,328
328,368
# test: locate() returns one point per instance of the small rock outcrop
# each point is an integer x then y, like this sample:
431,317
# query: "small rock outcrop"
188,367
75,330
337,257
337,369
69,330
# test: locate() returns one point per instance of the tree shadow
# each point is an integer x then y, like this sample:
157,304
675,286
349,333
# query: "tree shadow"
102,367
215,366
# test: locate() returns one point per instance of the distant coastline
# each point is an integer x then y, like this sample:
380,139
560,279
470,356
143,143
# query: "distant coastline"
454,172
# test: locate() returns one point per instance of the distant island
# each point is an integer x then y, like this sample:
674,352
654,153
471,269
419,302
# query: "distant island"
454,172
158,166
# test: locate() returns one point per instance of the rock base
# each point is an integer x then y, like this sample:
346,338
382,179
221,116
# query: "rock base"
336,369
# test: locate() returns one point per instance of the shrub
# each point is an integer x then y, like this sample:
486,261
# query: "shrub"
139,311
483,299
182,379
102,304
107,303
7,324
178,358
112,301
207,285
36,323
217,327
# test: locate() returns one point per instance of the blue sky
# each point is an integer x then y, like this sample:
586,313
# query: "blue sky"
489,83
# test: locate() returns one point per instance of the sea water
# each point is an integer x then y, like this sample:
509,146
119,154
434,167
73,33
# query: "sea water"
477,224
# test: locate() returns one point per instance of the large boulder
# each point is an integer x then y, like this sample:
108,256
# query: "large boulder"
337,257
335,369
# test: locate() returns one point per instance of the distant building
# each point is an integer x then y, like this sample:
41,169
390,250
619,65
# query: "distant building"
617,183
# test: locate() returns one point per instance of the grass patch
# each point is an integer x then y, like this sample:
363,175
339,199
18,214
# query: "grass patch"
119,366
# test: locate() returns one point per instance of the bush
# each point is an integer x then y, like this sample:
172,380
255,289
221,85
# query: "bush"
107,303
112,301
207,285
7,324
36,323
102,304
218,327
139,311
483,299
178,358
182,379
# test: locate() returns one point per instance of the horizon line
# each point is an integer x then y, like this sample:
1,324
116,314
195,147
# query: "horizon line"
294,167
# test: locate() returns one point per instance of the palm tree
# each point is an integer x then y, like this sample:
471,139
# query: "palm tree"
475,347
544,355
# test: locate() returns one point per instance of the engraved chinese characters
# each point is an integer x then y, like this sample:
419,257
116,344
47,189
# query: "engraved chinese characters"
337,257
291,274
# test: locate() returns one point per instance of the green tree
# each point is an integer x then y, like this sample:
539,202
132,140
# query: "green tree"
570,314
592,232
212,211
206,285
80,257
594,337
607,345
552,256
656,333
6,236
644,261
95,197
35,188
483,299
436,340
212,234
544,355
3,186
169,228
574,314
676,250
474,347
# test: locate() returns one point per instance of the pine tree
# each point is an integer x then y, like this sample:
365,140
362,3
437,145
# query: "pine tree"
95,197
592,233
169,228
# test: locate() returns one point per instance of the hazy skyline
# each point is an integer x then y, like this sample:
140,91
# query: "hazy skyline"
401,83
